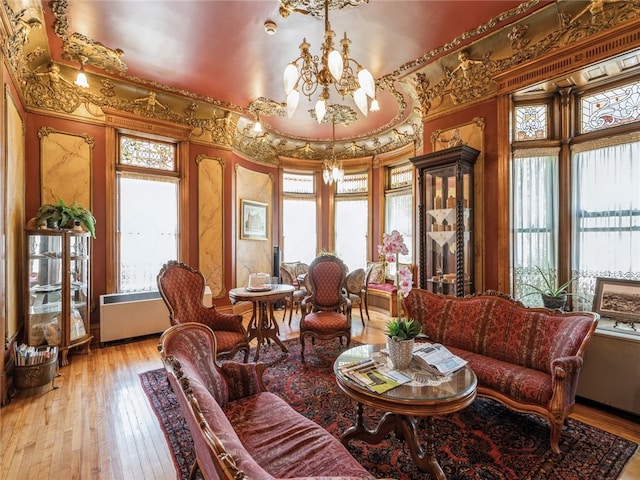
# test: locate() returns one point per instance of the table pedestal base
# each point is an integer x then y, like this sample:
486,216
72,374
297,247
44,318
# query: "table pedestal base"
405,428
263,327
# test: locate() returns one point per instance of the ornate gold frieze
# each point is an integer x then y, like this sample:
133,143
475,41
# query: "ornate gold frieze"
315,8
471,76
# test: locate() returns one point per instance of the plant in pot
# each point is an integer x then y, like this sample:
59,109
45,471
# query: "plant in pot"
401,334
61,215
553,295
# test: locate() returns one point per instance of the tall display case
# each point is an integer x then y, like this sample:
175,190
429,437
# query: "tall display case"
57,291
445,218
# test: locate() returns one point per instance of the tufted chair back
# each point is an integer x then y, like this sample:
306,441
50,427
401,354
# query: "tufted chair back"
326,276
182,289
326,311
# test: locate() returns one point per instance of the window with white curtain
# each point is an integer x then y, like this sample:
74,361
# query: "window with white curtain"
606,209
534,201
351,220
147,209
603,174
299,231
399,209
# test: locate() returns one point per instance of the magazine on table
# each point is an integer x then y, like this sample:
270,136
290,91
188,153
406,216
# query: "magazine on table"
436,358
374,376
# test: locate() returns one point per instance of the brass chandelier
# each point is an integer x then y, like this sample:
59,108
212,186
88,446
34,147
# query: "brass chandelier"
305,75
332,169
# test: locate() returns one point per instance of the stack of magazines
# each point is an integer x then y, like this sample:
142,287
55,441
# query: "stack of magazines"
376,377
436,358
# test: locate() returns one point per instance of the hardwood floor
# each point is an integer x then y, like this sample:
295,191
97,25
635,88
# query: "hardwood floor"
98,423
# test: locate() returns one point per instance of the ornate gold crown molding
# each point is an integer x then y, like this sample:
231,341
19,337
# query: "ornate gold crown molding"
452,82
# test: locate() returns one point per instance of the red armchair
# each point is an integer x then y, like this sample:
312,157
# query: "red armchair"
182,289
326,312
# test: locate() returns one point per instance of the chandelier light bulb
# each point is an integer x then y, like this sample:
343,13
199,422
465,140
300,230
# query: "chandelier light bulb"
292,102
360,97
375,106
336,65
290,78
365,79
257,127
326,176
321,109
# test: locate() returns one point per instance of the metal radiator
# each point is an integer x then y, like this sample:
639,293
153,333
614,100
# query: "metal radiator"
129,315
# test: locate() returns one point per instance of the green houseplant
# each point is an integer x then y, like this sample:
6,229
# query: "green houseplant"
403,329
553,295
401,334
60,215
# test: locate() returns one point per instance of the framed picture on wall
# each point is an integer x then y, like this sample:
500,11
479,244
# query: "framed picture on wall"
616,298
254,220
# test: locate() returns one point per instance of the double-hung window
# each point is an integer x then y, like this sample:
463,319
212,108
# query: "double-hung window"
351,220
599,215
398,202
147,206
299,218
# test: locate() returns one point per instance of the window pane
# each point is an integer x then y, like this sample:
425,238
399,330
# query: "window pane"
531,122
351,231
148,214
147,153
534,206
299,230
398,217
353,183
298,183
607,208
610,108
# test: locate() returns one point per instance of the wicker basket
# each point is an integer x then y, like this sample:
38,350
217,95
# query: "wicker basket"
31,376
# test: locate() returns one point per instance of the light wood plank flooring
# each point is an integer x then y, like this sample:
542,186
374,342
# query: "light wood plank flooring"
99,425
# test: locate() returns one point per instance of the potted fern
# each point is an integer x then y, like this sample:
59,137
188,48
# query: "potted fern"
401,334
61,215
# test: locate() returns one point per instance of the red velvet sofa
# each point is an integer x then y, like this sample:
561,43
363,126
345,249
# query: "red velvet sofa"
526,358
241,431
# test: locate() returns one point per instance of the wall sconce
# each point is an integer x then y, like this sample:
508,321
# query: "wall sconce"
81,78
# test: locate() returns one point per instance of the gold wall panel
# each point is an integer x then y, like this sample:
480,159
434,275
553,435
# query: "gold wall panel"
211,222
252,256
65,167
14,214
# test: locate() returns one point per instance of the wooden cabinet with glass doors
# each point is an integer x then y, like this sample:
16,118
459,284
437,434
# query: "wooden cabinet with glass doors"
445,217
57,294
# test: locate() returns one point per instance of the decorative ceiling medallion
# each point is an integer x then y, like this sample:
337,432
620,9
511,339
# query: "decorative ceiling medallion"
315,8
340,114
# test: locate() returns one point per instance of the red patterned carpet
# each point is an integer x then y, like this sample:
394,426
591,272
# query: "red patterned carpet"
485,441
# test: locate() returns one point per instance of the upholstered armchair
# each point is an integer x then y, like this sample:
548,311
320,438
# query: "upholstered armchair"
326,312
355,287
293,301
182,289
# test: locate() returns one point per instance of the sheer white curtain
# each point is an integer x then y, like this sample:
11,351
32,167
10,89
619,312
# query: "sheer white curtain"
351,227
148,228
299,230
398,216
534,209
606,210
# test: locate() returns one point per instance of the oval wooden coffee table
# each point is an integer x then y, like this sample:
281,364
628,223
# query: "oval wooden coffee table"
405,406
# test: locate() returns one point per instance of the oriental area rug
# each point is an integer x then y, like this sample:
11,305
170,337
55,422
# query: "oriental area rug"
484,441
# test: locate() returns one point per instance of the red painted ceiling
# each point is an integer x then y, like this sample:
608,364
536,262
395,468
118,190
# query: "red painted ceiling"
219,49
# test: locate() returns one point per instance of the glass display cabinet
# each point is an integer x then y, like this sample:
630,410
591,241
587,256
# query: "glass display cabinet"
58,280
445,218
